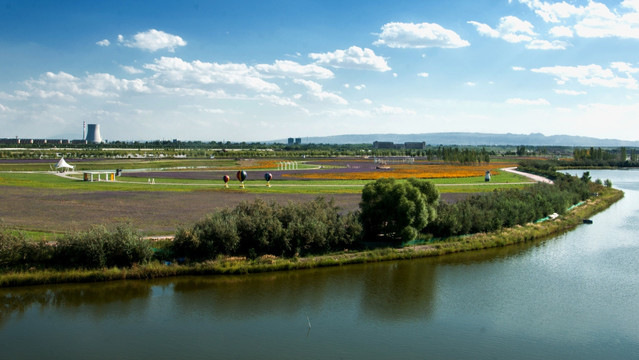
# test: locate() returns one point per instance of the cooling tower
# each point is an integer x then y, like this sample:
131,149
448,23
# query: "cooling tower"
93,134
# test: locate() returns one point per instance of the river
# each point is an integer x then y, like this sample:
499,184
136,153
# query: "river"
571,296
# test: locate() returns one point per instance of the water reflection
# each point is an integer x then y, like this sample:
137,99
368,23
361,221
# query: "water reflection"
398,292
67,298
390,291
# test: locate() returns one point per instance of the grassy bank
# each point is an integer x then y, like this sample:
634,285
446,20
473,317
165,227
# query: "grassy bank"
500,238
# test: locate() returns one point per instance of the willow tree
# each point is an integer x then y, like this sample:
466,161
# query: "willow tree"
397,211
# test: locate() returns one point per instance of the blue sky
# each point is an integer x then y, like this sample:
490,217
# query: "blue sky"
263,70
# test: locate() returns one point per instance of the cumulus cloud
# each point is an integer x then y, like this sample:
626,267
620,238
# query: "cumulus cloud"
419,36
592,75
561,31
131,70
510,28
65,86
153,40
292,69
316,91
547,45
518,68
535,102
174,72
593,20
104,42
279,100
352,58
514,30
423,74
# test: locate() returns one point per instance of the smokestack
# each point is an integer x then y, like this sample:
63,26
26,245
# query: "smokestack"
93,134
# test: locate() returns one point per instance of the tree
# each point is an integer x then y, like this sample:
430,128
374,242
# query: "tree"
397,210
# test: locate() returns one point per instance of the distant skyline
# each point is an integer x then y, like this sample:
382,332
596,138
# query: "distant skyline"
264,70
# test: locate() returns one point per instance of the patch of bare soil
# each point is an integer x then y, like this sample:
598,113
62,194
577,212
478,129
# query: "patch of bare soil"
152,212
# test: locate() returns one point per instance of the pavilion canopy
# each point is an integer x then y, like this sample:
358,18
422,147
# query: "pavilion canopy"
63,165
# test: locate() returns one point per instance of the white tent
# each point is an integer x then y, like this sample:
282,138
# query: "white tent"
63,165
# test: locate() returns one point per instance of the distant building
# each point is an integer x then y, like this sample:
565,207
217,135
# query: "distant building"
383,145
415,145
298,141
291,141
10,141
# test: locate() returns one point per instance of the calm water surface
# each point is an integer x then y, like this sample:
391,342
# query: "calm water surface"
573,296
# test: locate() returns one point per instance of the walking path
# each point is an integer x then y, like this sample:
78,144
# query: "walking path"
537,178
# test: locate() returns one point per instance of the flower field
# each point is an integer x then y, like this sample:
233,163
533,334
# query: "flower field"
337,169
423,170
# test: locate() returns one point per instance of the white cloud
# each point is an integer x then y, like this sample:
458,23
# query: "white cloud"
65,86
594,20
590,75
547,45
367,101
104,42
561,31
352,58
510,28
392,110
423,74
514,30
518,101
279,100
569,92
360,87
419,36
470,83
315,91
395,75
287,68
176,72
518,68
153,40
131,70
552,12
624,67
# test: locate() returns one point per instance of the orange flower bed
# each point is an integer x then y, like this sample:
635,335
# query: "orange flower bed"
406,171
256,164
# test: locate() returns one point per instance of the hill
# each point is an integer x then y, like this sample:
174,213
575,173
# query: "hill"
463,138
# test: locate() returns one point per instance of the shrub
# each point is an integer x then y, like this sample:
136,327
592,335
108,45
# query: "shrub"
18,252
100,247
260,228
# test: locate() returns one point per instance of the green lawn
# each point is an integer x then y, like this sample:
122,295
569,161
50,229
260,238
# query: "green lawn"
48,180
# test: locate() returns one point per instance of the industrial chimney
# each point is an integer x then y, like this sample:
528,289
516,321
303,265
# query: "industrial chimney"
93,134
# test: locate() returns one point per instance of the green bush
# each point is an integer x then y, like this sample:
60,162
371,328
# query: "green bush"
100,247
259,228
18,252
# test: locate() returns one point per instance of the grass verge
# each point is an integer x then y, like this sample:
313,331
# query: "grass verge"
227,266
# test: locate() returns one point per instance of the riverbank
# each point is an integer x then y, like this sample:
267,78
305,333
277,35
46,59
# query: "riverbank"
504,237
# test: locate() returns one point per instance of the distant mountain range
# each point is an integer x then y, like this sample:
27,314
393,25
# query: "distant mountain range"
463,138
